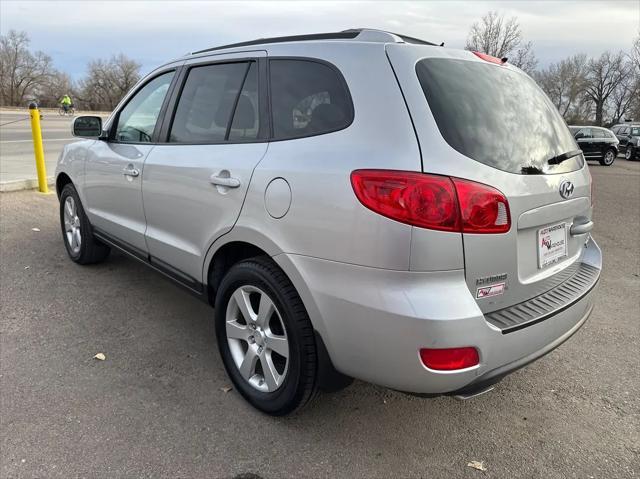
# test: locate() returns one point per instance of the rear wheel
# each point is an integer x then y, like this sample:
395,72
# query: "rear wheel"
630,153
265,337
609,157
77,234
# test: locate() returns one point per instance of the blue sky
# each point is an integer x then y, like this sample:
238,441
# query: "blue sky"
153,32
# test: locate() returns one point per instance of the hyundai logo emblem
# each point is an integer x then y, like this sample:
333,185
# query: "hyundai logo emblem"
566,189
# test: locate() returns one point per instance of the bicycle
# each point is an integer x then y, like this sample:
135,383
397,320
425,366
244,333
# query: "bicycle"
69,111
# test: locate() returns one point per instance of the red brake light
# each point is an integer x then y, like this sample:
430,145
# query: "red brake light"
483,208
449,359
433,202
489,58
413,198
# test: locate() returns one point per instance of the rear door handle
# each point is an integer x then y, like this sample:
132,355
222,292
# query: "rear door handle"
581,228
131,171
229,182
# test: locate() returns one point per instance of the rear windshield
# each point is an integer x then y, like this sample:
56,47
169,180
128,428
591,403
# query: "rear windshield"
496,116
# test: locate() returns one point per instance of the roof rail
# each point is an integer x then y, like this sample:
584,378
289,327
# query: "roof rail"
362,34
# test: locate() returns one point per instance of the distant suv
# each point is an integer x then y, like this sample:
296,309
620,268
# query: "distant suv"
353,205
596,143
629,136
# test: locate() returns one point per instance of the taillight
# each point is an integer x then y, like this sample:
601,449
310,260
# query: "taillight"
483,208
413,198
449,359
432,201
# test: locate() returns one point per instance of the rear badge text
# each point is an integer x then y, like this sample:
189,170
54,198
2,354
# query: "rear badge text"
488,291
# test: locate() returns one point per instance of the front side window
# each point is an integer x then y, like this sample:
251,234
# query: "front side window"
307,98
207,102
496,116
635,131
138,118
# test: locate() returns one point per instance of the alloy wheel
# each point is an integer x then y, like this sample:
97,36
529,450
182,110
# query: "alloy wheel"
72,225
257,338
609,156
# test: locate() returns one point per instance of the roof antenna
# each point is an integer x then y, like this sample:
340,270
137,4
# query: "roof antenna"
442,44
504,59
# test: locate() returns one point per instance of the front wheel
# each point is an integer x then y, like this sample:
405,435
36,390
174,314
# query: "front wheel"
629,154
77,235
265,337
609,157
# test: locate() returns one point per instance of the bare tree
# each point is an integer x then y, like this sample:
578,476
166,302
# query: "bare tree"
565,82
107,81
603,76
21,72
51,92
501,37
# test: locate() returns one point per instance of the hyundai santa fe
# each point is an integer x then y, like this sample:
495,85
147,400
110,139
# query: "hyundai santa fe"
352,204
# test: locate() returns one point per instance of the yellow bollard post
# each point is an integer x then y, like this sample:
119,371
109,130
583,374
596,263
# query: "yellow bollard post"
36,133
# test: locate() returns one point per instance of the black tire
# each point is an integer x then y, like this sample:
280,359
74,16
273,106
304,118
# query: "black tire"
630,154
608,157
299,385
91,250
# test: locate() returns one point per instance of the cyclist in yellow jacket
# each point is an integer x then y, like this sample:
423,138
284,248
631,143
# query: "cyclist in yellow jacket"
66,102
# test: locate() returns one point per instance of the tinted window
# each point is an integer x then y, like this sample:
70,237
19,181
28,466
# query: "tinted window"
624,131
598,133
584,133
245,118
496,116
307,98
206,103
138,118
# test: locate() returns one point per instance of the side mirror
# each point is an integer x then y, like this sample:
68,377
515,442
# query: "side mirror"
87,127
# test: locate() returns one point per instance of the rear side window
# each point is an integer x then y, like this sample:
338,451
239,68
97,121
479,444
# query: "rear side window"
211,99
496,116
307,98
584,133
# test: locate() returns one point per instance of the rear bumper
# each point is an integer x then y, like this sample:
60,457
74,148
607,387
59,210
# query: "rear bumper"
375,321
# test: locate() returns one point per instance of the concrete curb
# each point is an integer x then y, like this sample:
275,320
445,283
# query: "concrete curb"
17,185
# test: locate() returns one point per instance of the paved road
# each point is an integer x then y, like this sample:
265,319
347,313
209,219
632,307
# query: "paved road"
17,161
156,408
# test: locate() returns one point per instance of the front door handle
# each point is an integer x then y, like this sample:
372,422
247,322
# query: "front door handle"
131,171
228,182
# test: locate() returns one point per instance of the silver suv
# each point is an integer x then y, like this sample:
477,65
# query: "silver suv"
355,205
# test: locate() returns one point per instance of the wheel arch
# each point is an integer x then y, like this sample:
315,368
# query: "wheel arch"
238,244
61,181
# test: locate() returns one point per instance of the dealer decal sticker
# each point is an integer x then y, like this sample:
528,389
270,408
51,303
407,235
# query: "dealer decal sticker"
488,291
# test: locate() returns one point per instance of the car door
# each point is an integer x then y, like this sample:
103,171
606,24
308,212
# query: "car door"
113,187
194,183
584,138
623,136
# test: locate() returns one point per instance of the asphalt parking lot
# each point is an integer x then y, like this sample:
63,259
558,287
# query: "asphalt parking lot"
157,406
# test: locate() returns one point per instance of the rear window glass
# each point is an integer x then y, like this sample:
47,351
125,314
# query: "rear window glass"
307,98
496,116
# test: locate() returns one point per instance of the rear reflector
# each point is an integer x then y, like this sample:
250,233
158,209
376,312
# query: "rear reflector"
449,359
432,201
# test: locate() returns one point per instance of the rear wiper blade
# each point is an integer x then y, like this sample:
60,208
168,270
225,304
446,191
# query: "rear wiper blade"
556,160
